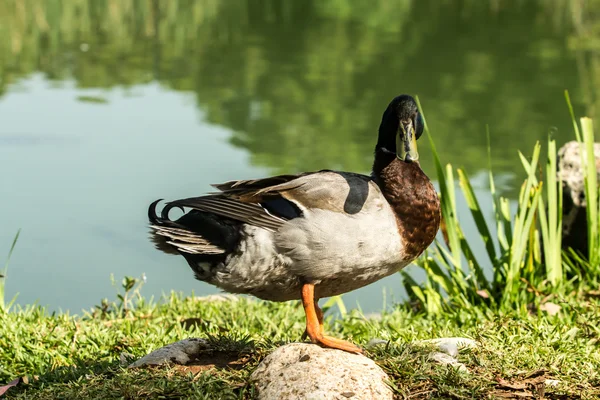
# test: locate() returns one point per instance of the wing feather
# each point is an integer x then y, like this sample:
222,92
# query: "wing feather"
250,213
241,200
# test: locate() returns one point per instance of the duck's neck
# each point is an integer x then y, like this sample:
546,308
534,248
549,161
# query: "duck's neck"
413,198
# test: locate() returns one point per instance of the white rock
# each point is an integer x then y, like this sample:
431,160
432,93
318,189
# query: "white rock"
571,172
442,358
446,359
376,342
307,371
448,349
451,345
551,382
181,352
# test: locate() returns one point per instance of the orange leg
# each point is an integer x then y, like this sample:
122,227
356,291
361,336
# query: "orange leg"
314,323
319,318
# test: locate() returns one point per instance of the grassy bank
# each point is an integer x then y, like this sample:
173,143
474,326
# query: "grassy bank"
65,356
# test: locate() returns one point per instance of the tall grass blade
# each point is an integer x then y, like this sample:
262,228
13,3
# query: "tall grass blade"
339,302
5,270
477,214
449,212
591,190
481,281
501,214
550,218
573,119
437,275
412,287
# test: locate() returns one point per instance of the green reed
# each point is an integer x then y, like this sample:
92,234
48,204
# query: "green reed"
523,247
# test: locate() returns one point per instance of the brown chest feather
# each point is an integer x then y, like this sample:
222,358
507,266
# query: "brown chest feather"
414,199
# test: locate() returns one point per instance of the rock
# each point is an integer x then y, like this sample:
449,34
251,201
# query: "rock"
451,345
445,359
442,358
181,352
570,170
376,342
552,382
449,349
307,371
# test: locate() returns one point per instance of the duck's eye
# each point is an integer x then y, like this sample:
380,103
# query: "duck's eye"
419,125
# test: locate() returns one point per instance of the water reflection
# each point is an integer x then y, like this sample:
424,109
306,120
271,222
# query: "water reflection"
278,87
303,85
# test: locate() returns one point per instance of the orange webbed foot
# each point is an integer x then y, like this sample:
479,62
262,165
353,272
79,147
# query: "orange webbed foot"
314,324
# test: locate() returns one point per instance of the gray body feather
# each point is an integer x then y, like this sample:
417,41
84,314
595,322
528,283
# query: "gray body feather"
346,237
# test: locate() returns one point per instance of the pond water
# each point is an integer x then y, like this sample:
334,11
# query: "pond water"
106,106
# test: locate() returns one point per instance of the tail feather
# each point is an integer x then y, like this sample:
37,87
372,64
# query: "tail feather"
195,233
186,241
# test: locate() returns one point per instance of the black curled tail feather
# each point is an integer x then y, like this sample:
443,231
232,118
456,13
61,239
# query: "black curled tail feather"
160,242
164,214
152,212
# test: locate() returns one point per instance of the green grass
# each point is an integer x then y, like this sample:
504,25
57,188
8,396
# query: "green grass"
66,356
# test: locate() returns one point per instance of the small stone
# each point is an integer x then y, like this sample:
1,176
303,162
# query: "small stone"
181,352
442,358
451,345
552,382
445,359
448,349
376,342
326,375
305,357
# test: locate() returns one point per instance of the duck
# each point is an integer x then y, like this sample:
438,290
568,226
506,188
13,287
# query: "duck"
311,235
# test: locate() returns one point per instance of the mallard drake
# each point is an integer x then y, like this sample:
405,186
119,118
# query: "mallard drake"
313,235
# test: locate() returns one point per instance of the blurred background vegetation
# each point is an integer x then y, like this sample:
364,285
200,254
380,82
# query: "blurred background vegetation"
302,85
294,85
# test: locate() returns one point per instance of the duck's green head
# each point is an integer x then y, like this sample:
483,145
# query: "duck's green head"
401,126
